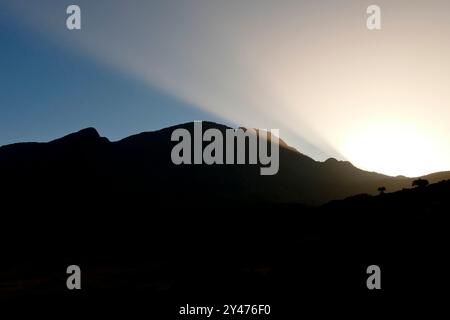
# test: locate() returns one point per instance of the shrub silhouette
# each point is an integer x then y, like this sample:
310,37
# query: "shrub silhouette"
420,183
382,190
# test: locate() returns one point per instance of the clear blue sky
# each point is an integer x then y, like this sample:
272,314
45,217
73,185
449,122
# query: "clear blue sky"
47,91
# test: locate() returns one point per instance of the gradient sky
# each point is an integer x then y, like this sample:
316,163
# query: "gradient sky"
379,99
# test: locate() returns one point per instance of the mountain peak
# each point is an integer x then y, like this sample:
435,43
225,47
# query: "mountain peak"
335,162
85,135
88,132
331,161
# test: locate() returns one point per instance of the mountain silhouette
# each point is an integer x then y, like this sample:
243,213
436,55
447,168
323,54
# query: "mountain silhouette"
86,163
124,213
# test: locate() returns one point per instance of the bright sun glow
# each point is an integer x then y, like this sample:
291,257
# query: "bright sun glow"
395,149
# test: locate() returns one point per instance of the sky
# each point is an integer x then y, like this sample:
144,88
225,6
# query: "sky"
312,69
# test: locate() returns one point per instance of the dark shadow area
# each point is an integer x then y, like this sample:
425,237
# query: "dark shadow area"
151,237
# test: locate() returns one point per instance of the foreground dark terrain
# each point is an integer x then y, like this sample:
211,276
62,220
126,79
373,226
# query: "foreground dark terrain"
151,237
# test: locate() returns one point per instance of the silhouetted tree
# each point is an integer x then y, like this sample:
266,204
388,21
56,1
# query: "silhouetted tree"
420,183
382,189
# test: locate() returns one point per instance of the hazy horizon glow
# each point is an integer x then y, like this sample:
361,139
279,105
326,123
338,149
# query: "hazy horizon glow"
379,99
